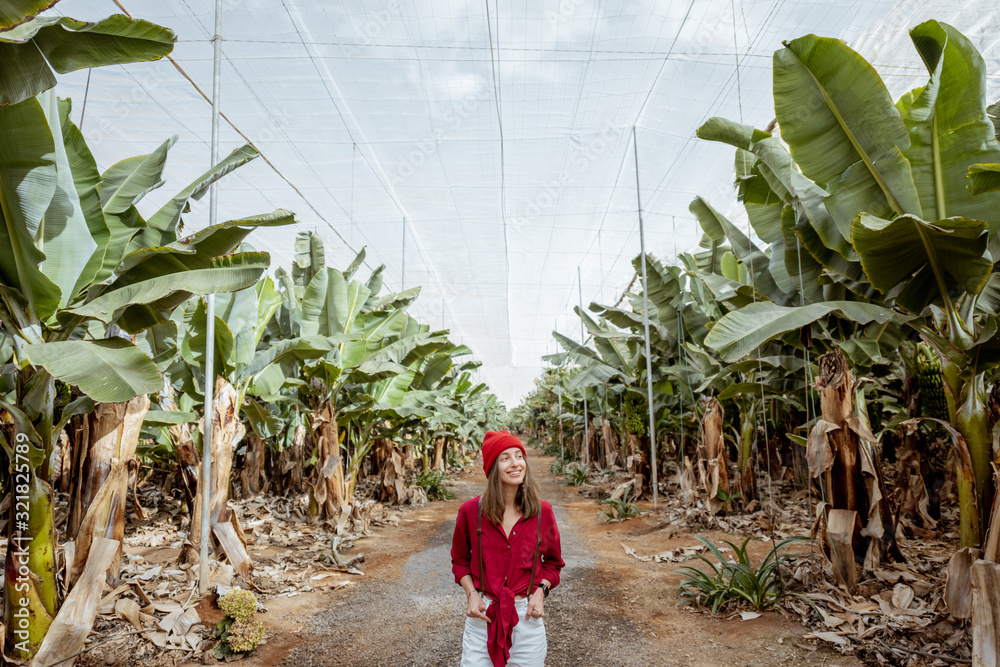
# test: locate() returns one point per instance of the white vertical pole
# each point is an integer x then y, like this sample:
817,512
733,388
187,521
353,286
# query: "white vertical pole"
213,209
559,417
402,279
645,324
583,341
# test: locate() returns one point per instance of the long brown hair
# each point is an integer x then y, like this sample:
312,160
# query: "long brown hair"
526,500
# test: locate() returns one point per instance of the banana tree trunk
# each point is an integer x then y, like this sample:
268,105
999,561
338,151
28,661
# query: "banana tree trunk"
103,488
746,482
290,473
390,471
329,496
100,442
439,457
636,461
857,520
227,431
188,461
972,421
253,480
714,457
610,444
843,486
409,459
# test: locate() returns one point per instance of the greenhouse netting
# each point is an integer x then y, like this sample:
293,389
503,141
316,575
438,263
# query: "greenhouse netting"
481,150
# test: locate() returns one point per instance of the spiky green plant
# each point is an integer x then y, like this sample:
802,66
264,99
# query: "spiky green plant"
621,509
735,581
576,475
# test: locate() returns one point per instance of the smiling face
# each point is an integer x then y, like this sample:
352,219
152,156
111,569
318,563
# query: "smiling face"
511,466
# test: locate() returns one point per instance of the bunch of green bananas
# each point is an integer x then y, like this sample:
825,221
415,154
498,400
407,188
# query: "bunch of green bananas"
635,413
933,402
875,410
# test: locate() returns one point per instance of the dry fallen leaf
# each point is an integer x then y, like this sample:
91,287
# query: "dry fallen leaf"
902,596
831,637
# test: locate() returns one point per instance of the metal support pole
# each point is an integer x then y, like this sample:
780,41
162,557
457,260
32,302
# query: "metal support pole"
645,325
559,417
213,209
586,420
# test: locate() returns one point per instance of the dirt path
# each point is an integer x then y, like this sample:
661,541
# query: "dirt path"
610,609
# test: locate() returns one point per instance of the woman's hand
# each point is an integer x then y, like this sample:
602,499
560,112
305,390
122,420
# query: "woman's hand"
536,605
477,607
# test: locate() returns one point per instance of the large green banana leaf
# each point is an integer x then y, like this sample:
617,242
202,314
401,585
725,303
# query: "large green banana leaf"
612,345
195,339
842,128
753,258
126,182
663,292
330,303
918,262
984,178
85,177
15,12
378,330
32,49
823,236
246,314
593,370
225,274
310,258
948,125
110,370
202,250
802,269
403,349
742,331
65,235
433,371
165,220
28,183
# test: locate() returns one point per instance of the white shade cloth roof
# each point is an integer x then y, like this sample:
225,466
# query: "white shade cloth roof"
498,133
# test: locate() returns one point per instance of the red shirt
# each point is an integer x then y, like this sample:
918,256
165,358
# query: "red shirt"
508,566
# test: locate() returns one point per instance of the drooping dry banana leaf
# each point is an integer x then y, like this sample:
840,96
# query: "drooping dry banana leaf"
75,619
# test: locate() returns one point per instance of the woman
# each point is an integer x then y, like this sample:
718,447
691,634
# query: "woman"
509,534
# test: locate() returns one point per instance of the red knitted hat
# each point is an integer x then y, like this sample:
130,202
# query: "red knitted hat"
496,442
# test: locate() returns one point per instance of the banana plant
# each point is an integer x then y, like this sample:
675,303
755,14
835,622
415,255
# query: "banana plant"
334,328
896,188
72,273
34,46
424,358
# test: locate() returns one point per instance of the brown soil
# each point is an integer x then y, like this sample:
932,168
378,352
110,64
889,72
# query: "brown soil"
610,609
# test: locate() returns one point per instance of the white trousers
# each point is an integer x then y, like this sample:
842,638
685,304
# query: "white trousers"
528,639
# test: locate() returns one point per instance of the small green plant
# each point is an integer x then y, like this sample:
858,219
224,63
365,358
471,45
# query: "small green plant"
557,467
621,509
735,582
576,475
239,635
433,484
